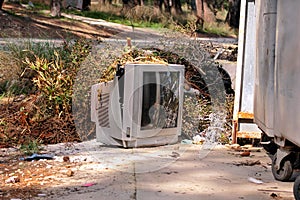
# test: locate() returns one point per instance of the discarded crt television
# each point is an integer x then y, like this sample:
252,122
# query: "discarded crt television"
142,106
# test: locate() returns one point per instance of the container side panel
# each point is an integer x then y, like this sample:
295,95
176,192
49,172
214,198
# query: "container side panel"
287,72
264,69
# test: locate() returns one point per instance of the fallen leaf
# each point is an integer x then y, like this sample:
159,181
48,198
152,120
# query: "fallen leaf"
245,153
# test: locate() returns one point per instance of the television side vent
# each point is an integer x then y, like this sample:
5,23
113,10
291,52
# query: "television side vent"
103,110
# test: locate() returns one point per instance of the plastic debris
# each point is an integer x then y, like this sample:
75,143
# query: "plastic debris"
198,139
30,4
13,179
186,141
42,195
254,180
88,184
38,157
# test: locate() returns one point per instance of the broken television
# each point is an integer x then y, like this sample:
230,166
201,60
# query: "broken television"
141,106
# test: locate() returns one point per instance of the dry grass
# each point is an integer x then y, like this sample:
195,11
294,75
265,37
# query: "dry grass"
9,69
9,72
220,29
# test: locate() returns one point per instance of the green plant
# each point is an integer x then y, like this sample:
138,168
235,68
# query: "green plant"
2,96
74,53
53,83
20,82
30,49
31,147
4,137
54,76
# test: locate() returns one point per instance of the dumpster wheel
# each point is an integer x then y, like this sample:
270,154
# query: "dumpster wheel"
285,170
296,188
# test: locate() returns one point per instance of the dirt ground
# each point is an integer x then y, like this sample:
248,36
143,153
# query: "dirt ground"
18,22
180,171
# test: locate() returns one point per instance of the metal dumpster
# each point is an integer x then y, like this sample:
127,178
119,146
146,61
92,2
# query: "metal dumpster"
277,79
278,71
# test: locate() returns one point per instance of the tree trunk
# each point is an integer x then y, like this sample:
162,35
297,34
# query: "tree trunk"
167,6
200,12
158,4
129,4
105,2
193,5
233,15
86,4
1,4
176,5
55,8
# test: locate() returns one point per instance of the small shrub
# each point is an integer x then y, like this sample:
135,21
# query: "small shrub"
55,77
31,147
53,82
46,113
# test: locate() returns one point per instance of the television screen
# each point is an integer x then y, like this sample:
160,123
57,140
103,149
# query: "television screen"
160,100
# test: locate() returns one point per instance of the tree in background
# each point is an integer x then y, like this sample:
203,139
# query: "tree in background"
129,4
233,15
167,5
176,5
158,4
205,6
215,5
55,8
204,10
1,4
87,3
200,12
105,2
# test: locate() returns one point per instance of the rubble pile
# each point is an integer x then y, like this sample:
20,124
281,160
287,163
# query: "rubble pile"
221,51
